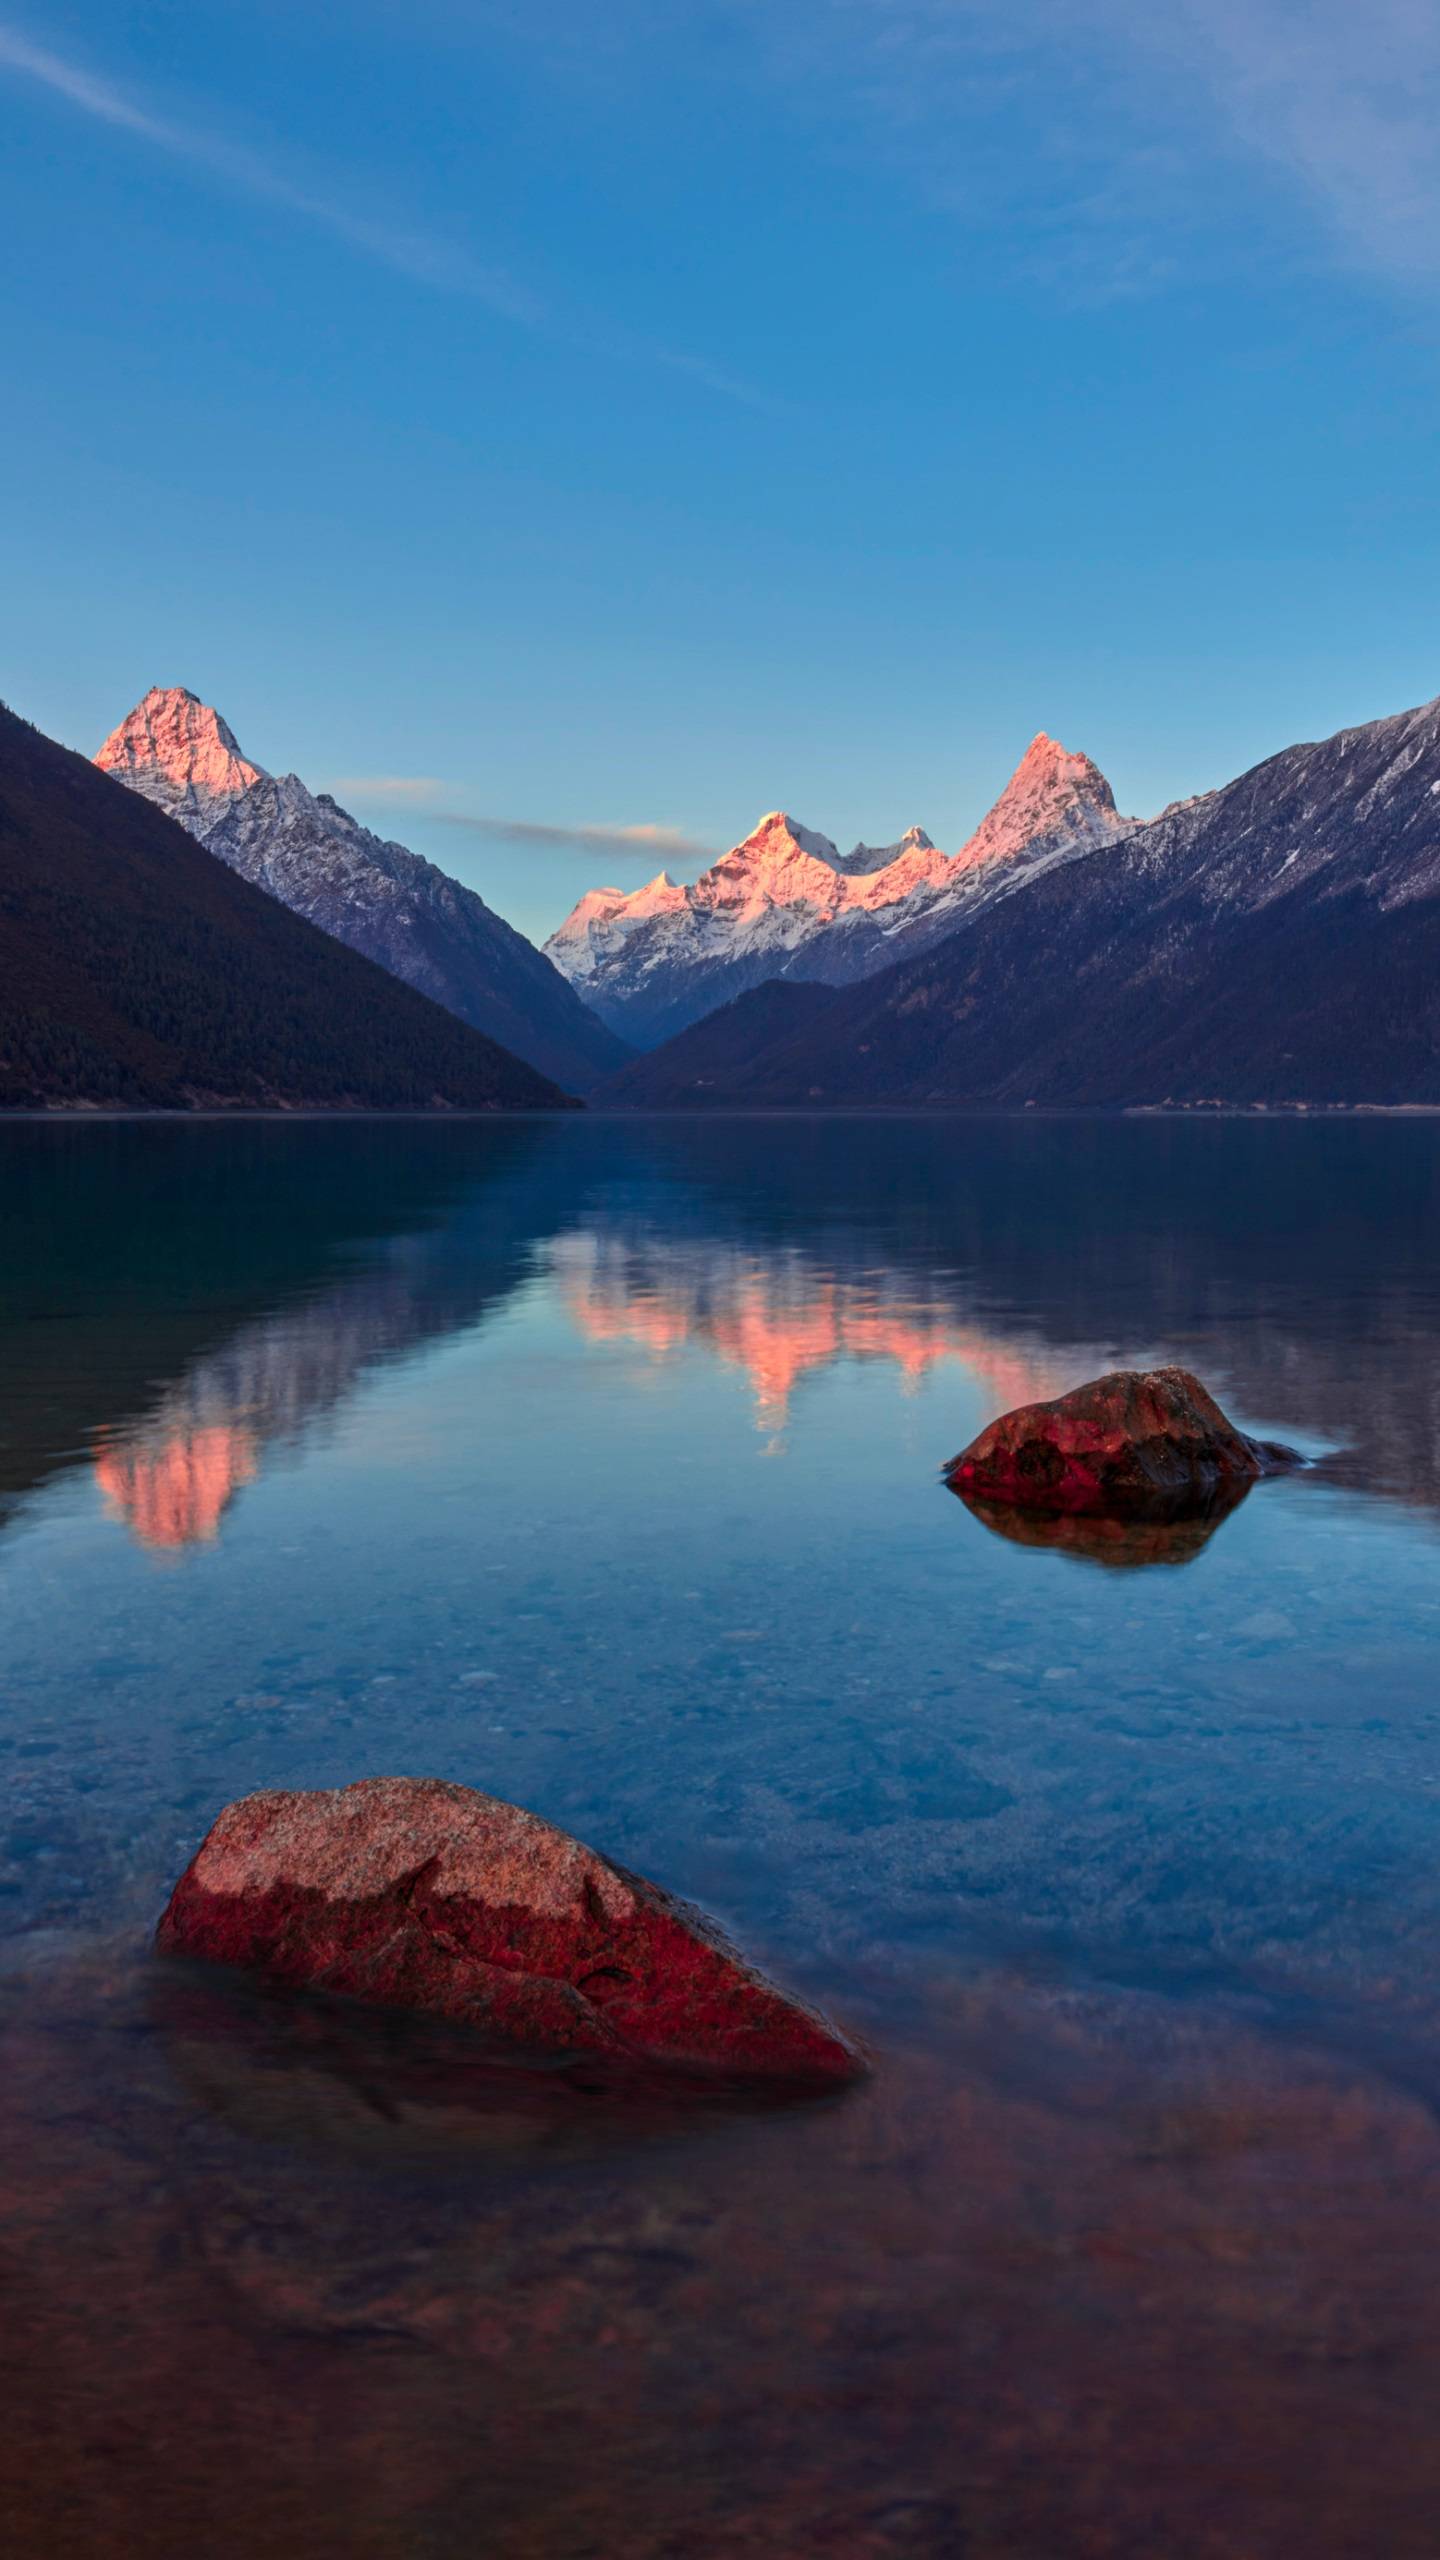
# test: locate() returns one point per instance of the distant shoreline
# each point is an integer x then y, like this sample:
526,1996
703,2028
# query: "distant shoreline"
84,1115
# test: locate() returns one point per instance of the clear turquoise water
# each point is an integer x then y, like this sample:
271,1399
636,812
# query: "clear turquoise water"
597,1464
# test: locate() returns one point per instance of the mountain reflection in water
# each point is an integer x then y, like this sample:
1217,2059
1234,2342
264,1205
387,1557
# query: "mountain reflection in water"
1023,1287
172,1476
775,1314
173,1483
278,1379
598,1464
776,1317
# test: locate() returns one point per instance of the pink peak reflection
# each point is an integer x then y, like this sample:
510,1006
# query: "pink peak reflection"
778,1321
172,1492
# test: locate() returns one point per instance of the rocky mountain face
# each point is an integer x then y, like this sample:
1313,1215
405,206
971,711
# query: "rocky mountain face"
1275,942
377,896
135,972
176,751
785,903
596,928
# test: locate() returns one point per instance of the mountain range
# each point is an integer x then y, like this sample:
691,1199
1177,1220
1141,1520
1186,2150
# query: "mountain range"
786,904
378,897
136,971
1272,943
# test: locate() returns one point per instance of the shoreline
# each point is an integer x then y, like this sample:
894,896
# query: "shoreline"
72,1115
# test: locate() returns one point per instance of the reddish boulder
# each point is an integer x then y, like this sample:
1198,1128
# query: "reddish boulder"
411,1893
1138,1442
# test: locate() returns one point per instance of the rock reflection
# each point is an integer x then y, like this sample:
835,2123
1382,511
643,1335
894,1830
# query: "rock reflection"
1095,1538
334,2078
1291,1264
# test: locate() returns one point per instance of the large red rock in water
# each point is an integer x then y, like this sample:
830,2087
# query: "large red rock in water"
1146,1441
415,1894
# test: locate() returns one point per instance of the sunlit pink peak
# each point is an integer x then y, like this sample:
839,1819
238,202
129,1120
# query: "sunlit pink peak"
1052,793
599,922
178,751
880,876
779,866
778,834
656,893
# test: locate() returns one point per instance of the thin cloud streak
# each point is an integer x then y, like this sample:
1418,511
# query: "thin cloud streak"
409,790
713,377
411,253
650,840
421,792
422,256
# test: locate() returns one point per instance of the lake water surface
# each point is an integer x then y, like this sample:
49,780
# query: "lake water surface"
596,1463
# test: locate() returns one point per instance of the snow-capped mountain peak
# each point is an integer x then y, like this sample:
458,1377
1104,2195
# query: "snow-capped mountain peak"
779,836
176,750
785,903
600,922
779,864
381,898
1052,793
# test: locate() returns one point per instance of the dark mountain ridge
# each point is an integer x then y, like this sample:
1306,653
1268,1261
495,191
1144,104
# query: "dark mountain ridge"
138,972
702,1059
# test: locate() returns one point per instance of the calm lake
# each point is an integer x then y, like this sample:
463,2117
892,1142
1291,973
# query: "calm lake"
596,1463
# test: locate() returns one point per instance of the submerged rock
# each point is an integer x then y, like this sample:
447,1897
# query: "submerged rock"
1137,1443
412,1893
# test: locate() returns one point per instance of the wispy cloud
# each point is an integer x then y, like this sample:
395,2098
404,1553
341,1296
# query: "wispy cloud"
422,255
408,790
1134,115
713,377
424,794
669,843
418,254
1343,101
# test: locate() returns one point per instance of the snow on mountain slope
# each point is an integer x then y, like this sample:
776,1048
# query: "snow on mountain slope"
595,929
173,749
1273,943
914,847
785,903
375,895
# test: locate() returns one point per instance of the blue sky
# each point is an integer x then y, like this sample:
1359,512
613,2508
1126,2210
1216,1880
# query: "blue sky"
633,418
